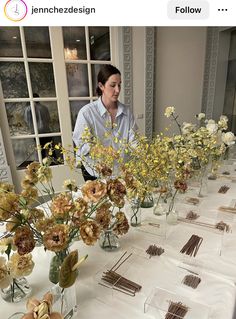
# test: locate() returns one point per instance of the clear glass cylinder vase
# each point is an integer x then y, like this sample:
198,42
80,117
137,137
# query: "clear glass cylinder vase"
172,217
109,241
147,201
65,301
135,218
171,213
55,265
18,290
160,204
203,183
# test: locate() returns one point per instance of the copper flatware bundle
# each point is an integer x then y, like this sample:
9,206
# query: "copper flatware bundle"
191,281
192,246
153,250
176,310
111,279
223,189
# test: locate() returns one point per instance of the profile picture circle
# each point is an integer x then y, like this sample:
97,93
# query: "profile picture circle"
15,10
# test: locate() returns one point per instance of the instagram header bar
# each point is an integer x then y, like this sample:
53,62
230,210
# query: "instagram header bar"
119,13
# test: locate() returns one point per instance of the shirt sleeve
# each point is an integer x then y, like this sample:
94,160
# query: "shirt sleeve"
133,128
80,126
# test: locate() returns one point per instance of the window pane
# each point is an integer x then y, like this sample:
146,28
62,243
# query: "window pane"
13,78
37,42
17,119
75,106
47,112
99,39
25,152
56,154
95,69
10,42
42,79
77,79
74,43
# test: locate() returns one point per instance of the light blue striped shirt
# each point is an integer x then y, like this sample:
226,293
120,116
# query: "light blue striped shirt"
96,117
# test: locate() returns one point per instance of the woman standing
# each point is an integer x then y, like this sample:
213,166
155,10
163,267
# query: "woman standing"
95,116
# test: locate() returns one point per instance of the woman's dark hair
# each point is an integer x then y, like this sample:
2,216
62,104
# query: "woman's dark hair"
103,75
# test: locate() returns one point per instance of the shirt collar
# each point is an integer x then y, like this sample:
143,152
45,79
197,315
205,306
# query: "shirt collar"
102,110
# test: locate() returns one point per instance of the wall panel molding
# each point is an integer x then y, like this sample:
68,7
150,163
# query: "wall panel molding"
127,66
149,80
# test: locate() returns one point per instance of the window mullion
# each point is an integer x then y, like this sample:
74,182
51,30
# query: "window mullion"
27,72
59,68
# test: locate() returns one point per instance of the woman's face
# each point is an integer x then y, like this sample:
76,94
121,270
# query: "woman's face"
111,89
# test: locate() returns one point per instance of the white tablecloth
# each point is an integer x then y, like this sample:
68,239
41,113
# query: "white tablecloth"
215,264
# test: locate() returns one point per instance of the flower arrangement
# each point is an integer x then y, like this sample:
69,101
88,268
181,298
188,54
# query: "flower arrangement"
199,144
75,214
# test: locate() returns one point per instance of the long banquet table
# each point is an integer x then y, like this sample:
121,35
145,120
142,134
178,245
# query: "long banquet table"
159,276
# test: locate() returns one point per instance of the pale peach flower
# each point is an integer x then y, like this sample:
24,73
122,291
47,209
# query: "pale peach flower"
122,225
24,240
44,173
103,218
20,265
93,191
89,232
6,187
30,194
61,206
31,172
45,223
116,192
9,204
5,278
56,238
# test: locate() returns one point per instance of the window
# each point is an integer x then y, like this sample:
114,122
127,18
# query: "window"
42,84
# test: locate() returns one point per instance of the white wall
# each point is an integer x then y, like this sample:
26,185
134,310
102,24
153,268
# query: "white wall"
179,72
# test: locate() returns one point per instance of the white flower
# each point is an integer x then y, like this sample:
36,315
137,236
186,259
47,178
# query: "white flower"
228,138
5,278
70,184
212,127
201,116
223,122
170,110
187,128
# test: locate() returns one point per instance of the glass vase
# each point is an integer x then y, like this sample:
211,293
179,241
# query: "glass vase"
18,290
160,204
16,315
203,181
147,201
135,218
172,217
171,213
55,265
108,240
65,301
